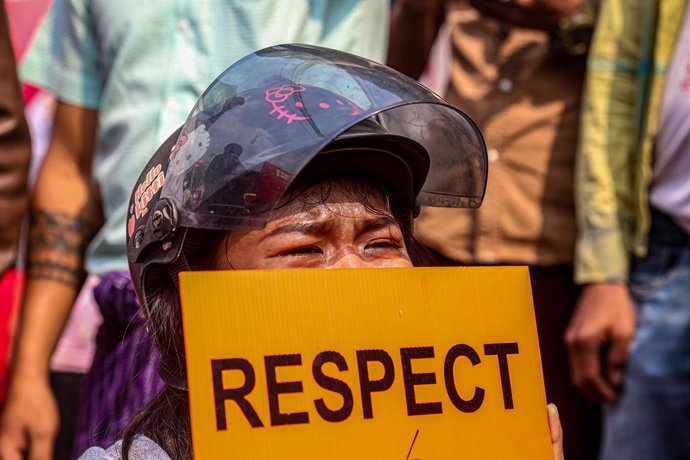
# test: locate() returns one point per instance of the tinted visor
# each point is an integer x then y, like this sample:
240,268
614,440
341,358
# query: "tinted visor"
266,117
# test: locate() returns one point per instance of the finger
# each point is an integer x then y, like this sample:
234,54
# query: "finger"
591,380
10,449
616,361
598,390
41,448
9,453
556,432
583,354
585,366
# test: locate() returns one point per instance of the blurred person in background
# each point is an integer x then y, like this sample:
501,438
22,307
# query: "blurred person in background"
633,250
15,155
72,355
126,74
517,69
15,150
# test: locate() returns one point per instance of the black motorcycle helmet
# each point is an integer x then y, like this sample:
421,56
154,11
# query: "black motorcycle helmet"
289,111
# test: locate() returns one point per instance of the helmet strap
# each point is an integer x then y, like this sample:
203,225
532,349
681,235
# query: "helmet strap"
170,369
179,265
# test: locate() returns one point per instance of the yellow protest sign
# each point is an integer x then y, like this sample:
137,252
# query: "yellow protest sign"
423,363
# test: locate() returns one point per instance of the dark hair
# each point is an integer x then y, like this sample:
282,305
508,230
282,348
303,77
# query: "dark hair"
165,419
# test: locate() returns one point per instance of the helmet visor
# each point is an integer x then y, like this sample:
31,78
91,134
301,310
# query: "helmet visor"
264,119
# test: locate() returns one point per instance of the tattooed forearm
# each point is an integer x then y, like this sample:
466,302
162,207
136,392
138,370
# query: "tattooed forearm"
57,242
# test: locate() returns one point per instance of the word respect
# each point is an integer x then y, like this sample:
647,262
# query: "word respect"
368,386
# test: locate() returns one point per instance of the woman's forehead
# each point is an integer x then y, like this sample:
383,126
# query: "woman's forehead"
353,192
336,216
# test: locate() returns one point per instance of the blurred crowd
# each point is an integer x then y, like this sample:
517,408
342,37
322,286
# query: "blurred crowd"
585,109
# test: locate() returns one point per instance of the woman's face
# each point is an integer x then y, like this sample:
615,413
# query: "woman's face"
325,227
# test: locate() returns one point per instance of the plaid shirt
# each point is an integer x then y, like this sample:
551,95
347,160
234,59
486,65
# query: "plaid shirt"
628,60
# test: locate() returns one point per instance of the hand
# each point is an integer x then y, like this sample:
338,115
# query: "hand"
556,432
534,14
29,422
604,317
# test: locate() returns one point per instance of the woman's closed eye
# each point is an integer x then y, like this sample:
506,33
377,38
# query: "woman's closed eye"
385,244
301,251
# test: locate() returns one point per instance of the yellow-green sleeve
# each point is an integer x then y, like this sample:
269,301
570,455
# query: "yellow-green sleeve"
605,166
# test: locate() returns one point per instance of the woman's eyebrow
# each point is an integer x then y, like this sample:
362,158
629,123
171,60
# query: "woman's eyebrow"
376,223
320,227
307,228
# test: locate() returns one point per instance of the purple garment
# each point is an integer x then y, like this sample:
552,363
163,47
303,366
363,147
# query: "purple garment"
124,374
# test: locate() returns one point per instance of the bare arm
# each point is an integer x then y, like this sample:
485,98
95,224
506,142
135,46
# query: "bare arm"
65,214
15,151
414,24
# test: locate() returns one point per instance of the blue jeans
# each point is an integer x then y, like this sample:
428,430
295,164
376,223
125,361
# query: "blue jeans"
651,419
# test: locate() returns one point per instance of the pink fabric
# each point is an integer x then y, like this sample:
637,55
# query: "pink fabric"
24,17
74,352
10,287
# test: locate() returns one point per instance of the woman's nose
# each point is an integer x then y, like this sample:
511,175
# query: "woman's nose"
348,260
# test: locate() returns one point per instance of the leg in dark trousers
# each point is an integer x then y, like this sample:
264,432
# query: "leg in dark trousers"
554,302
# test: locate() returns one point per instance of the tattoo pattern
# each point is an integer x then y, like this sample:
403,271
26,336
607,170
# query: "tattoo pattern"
57,242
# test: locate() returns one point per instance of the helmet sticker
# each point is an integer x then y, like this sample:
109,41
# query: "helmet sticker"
189,149
144,193
287,100
130,226
176,148
187,154
278,96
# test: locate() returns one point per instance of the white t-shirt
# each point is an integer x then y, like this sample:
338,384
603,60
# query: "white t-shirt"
670,191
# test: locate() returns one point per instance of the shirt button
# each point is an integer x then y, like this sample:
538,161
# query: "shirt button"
492,154
184,25
505,85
